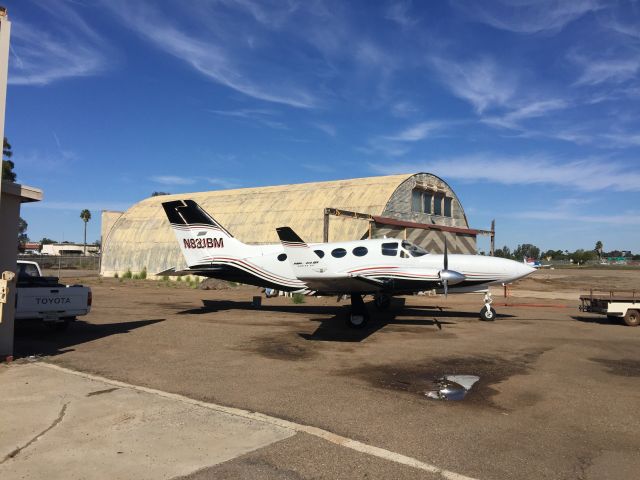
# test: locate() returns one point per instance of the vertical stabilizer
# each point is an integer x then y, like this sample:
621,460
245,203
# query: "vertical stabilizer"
200,237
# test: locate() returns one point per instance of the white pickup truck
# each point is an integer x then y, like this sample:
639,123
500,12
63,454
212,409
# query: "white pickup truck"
45,298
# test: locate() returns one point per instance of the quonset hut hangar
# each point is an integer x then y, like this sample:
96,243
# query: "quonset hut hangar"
420,207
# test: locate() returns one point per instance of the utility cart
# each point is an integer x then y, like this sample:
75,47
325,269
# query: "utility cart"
614,305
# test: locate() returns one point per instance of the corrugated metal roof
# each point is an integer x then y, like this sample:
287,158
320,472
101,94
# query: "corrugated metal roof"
142,236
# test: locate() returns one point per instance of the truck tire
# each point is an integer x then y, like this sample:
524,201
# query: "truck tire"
60,326
632,318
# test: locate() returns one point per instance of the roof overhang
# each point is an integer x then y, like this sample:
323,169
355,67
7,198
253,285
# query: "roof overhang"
425,226
27,194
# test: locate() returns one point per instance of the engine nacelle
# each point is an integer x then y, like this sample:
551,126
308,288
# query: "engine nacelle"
452,277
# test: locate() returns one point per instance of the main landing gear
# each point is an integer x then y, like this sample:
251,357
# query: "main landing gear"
488,313
358,315
382,301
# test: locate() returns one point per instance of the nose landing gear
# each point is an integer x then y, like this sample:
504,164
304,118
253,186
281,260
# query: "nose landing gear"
487,312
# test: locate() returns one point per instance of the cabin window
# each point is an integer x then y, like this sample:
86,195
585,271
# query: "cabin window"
282,257
447,206
414,250
390,249
338,252
360,251
416,201
403,254
320,253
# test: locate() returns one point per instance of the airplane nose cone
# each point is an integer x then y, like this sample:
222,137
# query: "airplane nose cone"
519,270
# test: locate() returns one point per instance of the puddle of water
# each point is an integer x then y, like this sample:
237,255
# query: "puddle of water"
452,387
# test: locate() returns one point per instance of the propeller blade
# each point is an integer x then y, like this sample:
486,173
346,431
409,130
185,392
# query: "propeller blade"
446,255
445,284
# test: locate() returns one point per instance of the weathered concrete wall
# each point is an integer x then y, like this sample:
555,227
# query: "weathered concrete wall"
399,205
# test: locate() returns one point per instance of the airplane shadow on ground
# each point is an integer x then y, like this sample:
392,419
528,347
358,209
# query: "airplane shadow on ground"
335,328
34,338
601,319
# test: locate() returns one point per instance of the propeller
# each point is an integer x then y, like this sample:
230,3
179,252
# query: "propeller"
445,282
449,276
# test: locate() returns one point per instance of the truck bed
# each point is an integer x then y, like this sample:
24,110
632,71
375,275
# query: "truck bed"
632,297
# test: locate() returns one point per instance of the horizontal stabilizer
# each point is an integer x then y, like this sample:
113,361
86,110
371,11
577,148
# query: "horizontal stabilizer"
172,272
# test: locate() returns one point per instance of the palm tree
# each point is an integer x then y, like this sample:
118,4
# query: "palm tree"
599,247
85,215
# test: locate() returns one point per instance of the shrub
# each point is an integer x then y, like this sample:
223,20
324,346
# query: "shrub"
127,274
115,275
297,298
143,274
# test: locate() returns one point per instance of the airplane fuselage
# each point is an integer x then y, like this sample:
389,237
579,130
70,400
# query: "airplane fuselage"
358,267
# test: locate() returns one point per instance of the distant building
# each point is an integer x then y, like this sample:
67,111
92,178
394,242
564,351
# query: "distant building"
30,248
68,249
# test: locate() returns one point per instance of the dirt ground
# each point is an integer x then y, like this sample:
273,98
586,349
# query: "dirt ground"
558,394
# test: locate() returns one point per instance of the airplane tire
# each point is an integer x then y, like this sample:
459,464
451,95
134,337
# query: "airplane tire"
357,319
382,302
632,318
487,314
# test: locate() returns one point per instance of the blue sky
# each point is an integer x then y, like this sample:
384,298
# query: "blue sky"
528,108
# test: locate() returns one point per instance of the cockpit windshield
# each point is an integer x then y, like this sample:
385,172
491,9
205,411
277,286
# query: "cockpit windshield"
414,250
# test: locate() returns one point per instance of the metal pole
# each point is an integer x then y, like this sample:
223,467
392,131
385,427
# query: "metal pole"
8,253
493,238
325,233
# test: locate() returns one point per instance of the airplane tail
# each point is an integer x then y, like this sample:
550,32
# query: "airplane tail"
200,237
304,261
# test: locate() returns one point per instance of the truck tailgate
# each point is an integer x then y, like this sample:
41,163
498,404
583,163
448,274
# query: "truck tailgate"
52,302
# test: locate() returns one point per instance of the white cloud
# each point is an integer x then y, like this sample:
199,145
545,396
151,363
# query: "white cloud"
66,47
622,140
93,206
326,128
172,180
221,182
399,12
212,50
403,108
481,81
596,71
588,175
318,168
262,116
417,132
395,145
527,16
568,210
538,108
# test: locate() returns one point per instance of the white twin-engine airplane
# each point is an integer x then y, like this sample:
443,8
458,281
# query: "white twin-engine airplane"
379,267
